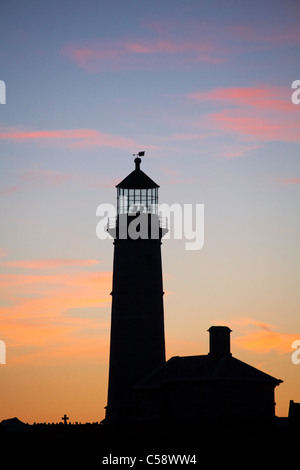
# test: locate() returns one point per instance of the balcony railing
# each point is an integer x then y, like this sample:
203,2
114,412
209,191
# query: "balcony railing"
112,223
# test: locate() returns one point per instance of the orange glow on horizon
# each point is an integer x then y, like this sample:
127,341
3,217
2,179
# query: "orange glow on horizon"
40,317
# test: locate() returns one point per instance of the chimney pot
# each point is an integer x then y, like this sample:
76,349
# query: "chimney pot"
219,341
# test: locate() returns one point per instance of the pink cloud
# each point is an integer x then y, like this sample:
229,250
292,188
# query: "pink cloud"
161,26
123,55
270,37
261,337
74,138
174,177
49,263
90,57
260,127
85,279
262,113
17,134
9,190
200,43
184,136
43,177
104,183
165,46
36,322
289,181
267,98
236,150
37,178
265,341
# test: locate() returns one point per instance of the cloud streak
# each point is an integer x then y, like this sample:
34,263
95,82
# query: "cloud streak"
94,56
35,322
49,263
270,98
72,138
261,114
210,42
289,181
264,339
251,126
48,177
9,190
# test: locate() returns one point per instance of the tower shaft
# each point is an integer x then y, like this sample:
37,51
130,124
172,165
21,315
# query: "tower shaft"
137,345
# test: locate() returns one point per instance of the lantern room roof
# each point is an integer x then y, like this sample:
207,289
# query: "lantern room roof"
137,179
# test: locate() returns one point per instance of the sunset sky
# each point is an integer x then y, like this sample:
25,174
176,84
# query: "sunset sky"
204,87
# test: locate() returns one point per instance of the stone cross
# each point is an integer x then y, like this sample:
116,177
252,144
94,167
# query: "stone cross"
65,418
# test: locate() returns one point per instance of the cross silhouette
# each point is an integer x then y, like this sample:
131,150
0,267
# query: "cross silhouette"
65,418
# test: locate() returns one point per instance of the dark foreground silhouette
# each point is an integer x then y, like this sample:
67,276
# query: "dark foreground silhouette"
160,438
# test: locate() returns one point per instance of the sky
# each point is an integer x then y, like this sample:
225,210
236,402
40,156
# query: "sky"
204,87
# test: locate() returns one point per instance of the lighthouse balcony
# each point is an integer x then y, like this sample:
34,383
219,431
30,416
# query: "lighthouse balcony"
138,225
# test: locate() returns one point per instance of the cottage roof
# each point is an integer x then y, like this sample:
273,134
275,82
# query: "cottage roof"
206,368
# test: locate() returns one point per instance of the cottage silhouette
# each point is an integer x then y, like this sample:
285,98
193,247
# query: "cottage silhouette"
216,386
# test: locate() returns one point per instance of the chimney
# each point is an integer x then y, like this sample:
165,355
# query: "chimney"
219,341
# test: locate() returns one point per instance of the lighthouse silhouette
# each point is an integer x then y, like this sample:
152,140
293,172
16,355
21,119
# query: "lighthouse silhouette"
137,342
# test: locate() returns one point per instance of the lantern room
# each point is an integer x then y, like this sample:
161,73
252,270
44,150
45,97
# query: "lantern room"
137,193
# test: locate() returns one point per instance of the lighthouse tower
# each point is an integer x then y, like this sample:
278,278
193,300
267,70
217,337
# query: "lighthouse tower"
137,343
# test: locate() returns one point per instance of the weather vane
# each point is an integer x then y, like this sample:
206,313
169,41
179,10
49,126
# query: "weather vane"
140,154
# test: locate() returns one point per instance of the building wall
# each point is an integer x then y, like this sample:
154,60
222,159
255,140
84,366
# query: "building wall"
207,400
